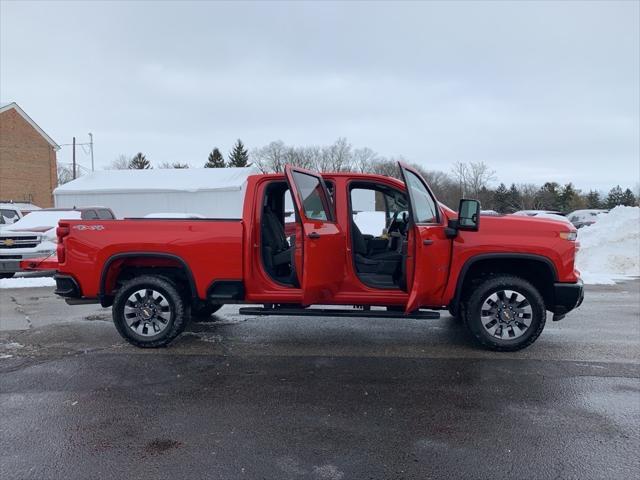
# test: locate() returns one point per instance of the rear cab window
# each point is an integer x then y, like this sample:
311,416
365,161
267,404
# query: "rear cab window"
104,214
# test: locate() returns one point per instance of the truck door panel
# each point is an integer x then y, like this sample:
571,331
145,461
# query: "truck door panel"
323,241
431,247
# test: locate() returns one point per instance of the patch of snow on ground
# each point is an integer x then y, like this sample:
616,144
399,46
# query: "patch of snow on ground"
610,248
27,282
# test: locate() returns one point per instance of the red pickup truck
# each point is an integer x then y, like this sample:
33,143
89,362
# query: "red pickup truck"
499,274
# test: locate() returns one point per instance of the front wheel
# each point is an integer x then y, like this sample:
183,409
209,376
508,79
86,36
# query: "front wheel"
149,312
505,313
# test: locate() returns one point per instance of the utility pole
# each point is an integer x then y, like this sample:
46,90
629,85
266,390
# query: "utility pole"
74,158
91,147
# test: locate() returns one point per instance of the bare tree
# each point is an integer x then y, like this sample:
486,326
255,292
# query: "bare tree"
167,165
384,166
479,177
270,158
335,157
460,173
362,158
65,173
120,163
473,177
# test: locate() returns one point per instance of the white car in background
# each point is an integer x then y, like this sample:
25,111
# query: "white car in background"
34,236
11,212
584,218
550,214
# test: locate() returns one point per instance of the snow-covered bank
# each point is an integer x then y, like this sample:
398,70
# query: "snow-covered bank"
27,282
610,248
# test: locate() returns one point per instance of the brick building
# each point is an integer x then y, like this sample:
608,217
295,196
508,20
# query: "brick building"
28,169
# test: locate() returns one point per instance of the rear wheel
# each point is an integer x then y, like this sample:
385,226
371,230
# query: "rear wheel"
149,312
505,313
7,274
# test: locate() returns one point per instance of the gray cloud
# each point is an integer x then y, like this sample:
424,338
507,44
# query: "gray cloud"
539,90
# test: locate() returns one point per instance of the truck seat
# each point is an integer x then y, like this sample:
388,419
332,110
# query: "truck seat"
386,262
276,249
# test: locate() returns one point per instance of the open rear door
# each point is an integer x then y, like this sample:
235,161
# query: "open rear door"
324,243
431,246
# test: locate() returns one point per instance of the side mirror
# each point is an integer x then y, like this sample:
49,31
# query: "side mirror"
469,215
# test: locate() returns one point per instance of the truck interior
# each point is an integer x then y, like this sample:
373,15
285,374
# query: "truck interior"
277,232
379,229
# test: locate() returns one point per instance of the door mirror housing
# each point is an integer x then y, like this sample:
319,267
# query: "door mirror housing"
469,215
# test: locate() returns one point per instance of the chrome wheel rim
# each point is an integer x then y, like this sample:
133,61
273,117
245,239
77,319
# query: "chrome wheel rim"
506,314
147,312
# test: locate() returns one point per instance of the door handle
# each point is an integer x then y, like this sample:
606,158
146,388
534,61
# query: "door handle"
427,242
314,235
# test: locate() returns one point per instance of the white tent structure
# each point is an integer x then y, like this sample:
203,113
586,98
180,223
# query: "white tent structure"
210,192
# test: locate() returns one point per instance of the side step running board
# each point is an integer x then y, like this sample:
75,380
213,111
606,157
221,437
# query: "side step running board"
331,312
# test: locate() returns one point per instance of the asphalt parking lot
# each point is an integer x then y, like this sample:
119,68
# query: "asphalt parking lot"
318,398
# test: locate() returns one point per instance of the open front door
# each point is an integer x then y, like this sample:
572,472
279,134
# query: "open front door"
431,246
324,243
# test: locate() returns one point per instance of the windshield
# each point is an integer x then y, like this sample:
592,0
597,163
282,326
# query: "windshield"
7,216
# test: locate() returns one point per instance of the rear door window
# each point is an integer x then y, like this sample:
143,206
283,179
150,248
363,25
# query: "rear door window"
314,202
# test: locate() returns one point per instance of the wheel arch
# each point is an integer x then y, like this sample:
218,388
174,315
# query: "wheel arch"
119,262
537,269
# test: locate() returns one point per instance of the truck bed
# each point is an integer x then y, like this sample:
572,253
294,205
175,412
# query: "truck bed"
210,249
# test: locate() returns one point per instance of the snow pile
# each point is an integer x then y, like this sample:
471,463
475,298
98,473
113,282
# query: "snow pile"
610,248
27,282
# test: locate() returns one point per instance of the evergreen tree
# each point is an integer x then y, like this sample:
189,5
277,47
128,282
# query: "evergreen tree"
548,197
239,157
139,162
628,198
215,160
514,202
593,199
501,198
569,198
615,197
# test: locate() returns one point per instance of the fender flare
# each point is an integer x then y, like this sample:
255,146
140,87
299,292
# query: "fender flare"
119,256
497,256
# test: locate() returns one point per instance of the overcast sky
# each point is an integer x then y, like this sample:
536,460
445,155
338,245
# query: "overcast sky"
539,91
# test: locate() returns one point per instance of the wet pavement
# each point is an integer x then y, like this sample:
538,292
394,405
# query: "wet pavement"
317,398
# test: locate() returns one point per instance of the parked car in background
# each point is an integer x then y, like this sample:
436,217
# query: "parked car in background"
87,213
34,236
491,213
11,212
550,214
584,218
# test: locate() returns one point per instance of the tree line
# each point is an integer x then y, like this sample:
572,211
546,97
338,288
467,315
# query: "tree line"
464,180
238,157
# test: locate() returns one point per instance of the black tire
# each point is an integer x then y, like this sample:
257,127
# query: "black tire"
204,312
176,308
7,274
493,286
